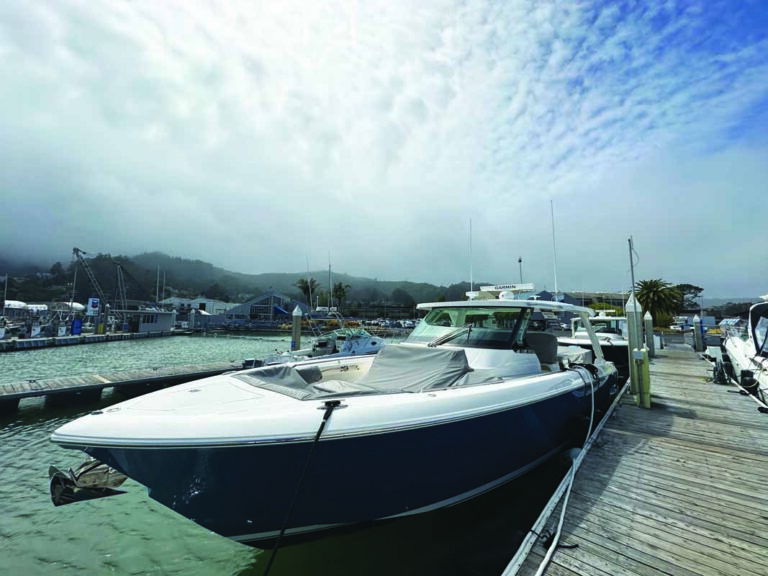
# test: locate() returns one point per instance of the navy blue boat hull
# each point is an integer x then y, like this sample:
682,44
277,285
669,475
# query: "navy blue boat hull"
244,492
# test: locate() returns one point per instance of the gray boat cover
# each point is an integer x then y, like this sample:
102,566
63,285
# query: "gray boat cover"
278,378
411,368
396,368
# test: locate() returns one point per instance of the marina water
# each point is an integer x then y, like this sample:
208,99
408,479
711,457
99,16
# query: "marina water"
130,534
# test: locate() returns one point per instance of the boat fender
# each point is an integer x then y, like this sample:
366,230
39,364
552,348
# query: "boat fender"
748,382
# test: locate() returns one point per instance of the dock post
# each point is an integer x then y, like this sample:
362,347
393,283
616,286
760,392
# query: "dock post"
296,329
634,332
698,339
644,379
649,343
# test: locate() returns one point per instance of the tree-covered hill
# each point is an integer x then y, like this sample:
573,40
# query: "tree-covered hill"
154,275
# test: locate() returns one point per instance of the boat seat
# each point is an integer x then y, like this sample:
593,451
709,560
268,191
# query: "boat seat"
544,344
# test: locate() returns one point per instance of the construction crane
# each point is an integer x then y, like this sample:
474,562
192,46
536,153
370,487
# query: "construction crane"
91,277
122,288
121,291
84,263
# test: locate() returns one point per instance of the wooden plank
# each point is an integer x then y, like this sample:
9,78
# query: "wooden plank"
711,475
739,481
676,537
725,438
612,547
659,550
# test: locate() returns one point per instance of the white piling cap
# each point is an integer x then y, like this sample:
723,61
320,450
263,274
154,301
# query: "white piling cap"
696,319
647,316
296,311
629,307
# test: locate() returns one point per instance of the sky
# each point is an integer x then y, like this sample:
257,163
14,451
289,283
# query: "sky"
430,141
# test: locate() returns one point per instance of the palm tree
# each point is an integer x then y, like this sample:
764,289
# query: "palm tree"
658,297
340,292
307,287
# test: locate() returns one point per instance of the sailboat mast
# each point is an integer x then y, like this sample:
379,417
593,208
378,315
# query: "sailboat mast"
471,280
632,274
330,284
5,294
554,244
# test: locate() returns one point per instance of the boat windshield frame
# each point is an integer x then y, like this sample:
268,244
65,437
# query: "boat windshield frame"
491,327
758,320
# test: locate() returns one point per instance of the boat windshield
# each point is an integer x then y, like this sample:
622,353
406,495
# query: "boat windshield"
473,327
761,336
601,325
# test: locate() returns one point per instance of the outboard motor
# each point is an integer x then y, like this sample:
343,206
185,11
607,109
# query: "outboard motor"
89,481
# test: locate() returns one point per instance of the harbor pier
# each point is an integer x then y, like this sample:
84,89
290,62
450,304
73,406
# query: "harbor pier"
14,344
89,387
675,489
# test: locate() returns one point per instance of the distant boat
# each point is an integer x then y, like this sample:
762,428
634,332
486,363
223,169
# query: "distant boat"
12,321
343,341
611,331
471,400
746,348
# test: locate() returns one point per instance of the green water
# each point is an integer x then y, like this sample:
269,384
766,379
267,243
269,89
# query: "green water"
130,534
104,357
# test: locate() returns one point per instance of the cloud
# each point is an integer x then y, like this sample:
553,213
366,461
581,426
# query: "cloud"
257,136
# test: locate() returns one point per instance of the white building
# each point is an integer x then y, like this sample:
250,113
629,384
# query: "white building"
209,305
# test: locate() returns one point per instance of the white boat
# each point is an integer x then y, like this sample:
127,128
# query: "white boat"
471,400
14,315
746,351
611,331
343,341
346,342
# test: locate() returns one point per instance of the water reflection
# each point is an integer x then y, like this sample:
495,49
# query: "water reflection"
474,538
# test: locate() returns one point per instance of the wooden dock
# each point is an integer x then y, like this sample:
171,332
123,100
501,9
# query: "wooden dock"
89,387
17,344
678,489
